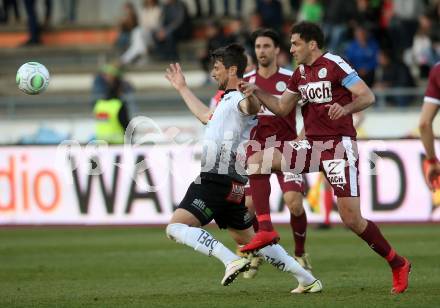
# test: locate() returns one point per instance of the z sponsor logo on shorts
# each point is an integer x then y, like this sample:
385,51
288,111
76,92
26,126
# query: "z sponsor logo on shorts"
335,170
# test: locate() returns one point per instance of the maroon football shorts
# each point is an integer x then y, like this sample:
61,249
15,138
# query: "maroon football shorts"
288,181
337,157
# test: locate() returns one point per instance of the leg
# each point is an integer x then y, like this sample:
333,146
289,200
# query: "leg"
349,209
298,220
341,171
328,204
198,8
293,189
137,47
48,12
179,229
253,258
202,203
33,28
260,165
278,257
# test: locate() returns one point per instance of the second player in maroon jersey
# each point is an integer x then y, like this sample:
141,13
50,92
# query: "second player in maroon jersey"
271,128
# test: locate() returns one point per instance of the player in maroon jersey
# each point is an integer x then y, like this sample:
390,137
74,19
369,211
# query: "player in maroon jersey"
431,103
270,128
324,85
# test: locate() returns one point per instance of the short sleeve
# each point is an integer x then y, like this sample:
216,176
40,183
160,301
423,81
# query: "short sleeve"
341,69
292,84
238,97
432,94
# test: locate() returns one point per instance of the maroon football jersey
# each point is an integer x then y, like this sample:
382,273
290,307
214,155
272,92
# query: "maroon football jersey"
432,94
284,128
320,86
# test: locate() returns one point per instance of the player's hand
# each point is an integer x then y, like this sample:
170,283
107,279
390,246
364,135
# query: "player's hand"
175,76
336,111
248,89
431,171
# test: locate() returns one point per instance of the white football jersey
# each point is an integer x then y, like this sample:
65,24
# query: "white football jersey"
226,135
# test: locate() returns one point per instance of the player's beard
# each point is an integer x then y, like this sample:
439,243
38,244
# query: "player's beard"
266,63
222,85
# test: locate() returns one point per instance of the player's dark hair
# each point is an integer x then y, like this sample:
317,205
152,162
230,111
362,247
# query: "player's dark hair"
231,55
267,33
309,31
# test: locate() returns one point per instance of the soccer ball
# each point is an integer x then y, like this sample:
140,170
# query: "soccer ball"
32,78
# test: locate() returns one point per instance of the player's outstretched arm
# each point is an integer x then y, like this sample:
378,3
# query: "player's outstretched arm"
279,106
176,78
250,105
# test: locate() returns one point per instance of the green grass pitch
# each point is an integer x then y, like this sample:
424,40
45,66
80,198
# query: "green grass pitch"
120,267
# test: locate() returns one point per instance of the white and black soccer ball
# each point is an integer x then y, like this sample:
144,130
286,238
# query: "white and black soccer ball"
32,78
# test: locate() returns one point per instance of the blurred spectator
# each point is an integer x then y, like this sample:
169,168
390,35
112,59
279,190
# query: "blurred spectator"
47,14
434,15
338,13
32,23
368,14
251,63
294,6
362,54
271,12
238,6
239,34
141,38
111,115
4,11
106,78
175,25
404,23
199,10
422,48
311,10
284,59
127,23
394,73
212,8
215,38
69,8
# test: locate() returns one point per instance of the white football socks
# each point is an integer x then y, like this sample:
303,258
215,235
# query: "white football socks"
201,240
278,257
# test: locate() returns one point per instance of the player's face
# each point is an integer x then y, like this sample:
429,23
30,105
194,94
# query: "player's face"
300,49
265,51
220,74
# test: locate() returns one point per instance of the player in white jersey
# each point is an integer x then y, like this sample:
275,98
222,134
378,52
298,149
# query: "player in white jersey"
218,193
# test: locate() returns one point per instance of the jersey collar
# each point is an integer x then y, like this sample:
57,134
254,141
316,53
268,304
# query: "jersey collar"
228,91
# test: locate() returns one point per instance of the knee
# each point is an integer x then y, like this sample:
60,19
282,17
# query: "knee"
296,208
174,231
295,205
351,221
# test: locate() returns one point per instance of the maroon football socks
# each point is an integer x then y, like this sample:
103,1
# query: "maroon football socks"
260,190
380,245
299,228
